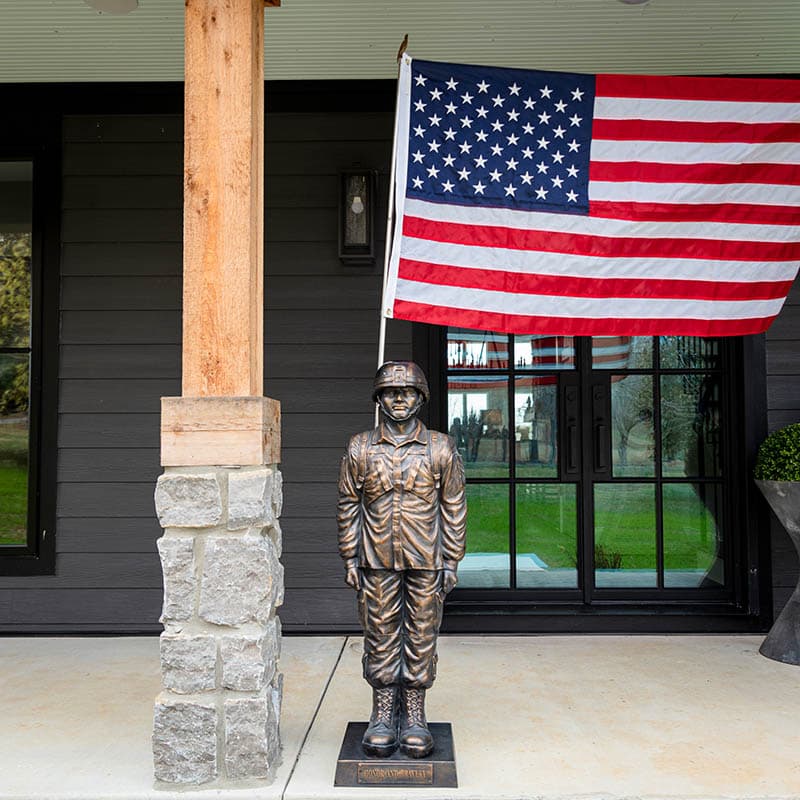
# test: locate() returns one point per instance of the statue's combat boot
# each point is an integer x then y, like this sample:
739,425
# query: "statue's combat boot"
380,737
415,738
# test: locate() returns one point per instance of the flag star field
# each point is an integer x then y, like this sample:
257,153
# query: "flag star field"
517,139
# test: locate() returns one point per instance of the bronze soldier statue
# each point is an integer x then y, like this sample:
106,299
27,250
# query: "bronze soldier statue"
402,519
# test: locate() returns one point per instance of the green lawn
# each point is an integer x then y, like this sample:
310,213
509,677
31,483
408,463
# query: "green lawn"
13,483
624,524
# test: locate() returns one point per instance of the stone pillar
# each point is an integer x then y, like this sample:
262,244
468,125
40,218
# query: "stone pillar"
216,719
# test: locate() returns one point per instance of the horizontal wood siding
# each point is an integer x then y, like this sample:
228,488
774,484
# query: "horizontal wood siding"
783,408
120,353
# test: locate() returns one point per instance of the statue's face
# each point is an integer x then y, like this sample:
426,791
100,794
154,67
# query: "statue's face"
400,404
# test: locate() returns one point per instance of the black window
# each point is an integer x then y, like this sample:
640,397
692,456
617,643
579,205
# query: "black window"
27,407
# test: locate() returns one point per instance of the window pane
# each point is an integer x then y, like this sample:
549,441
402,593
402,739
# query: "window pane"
622,352
689,352
544,352
624,535
536,416
693,554
547,535
14,390
487,561
468,349
690,425
632,437
15,253
478,422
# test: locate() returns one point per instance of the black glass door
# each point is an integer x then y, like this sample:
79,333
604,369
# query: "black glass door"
597,468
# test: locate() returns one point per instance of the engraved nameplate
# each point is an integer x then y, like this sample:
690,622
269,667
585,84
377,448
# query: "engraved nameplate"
418,775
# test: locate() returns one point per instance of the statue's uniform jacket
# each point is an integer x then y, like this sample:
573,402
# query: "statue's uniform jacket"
402,515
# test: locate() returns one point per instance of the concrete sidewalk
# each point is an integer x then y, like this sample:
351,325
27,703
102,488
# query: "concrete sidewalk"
533,717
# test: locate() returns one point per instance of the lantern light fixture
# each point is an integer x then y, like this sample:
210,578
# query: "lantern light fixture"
357,217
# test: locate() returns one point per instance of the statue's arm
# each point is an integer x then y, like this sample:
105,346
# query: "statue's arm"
349,515
453,504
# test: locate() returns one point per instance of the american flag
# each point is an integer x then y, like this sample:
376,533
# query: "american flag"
556,203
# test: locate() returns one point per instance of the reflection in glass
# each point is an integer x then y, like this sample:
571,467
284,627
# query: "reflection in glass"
14,388
468,349
487,562
544,352
478,422
624,535
15,341
547,535
535,419
688,352
632,435
690,425
622,352
693,555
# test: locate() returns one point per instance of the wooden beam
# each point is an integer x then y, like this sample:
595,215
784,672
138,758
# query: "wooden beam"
223,199
203,431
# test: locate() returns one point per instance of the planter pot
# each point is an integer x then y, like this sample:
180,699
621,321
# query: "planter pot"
783,640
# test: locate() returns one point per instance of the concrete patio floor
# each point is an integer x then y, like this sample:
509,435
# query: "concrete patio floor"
533,717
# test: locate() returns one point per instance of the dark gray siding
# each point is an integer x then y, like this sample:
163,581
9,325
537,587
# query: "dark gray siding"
120,352
783,404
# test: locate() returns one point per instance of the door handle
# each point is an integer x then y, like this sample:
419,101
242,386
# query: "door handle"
572,448
600,447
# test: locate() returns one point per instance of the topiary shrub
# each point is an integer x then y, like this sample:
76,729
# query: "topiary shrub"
779,455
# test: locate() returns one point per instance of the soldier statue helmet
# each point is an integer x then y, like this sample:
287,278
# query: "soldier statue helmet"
402,521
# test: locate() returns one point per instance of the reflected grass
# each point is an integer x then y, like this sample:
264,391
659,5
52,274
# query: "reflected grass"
13,483
546,525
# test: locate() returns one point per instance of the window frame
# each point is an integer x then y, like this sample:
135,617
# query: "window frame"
38,555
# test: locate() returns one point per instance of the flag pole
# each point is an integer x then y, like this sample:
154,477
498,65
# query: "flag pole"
389,222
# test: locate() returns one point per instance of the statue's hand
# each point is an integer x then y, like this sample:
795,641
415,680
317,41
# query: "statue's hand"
449,580
352,574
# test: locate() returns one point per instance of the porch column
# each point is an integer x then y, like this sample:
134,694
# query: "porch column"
219,497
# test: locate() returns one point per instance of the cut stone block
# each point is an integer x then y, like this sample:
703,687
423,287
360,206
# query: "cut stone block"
242,580
249,662
252,745
250,499
188,500
180,580
276,534
188,663
277,493
185,741
276,698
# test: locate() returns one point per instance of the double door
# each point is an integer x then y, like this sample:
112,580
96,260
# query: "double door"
598,468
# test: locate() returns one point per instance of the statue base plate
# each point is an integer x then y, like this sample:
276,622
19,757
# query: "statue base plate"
355,768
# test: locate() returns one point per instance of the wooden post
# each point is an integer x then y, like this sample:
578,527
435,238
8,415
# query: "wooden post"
223,199
222,417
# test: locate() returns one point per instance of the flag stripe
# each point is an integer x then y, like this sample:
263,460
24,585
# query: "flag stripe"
585,307
534,261
786,174
576,326
699,212
696,152
660,130
600,246
609,228
692,193
518,283
740,91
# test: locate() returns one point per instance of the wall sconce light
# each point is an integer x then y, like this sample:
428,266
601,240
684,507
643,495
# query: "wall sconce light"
357,218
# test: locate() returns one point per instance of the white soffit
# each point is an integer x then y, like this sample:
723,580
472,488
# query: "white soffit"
65,40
